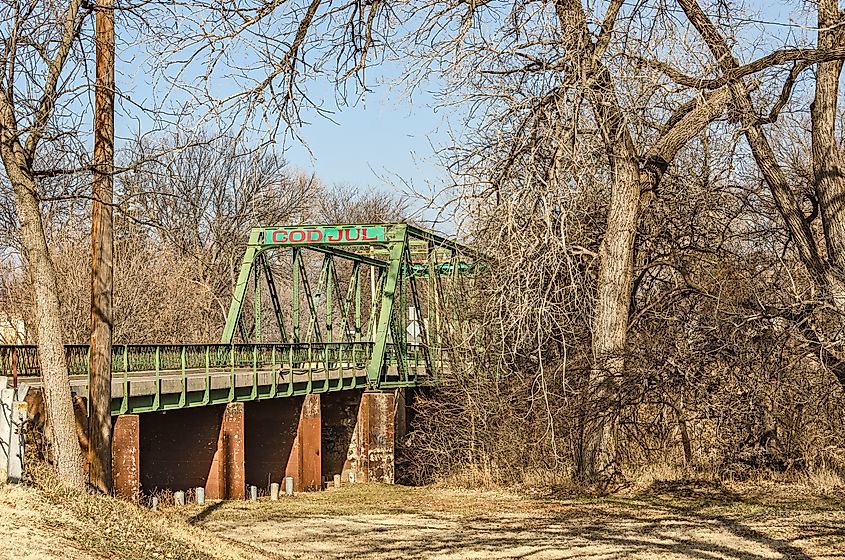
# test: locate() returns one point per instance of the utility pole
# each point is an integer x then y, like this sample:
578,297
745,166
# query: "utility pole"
102,249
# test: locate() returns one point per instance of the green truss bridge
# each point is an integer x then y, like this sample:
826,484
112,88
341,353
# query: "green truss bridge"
316,309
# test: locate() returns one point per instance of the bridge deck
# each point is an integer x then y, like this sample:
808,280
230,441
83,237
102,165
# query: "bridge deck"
147,391
150,378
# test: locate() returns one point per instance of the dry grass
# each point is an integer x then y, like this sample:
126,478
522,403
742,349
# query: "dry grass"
669,517
43,521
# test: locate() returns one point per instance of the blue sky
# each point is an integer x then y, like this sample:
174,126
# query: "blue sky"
388,136
387,139
383,140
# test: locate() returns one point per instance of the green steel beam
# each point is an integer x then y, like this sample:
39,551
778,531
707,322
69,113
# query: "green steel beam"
354,257
397,254
256,304
274,297
313,326
252,249
297,255
399,239
329,299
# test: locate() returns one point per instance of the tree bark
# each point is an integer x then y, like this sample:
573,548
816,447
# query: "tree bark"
18,156
51,352
102,248
827,275
598,457
828,169
631,180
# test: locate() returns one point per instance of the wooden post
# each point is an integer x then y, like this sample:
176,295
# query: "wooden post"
102,246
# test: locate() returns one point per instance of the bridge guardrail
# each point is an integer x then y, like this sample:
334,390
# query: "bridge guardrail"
22,360
186,375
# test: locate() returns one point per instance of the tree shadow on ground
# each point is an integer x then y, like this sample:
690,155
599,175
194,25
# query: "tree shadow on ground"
681,519
205,512
596,534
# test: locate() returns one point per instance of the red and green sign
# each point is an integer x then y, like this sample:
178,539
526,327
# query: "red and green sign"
331,235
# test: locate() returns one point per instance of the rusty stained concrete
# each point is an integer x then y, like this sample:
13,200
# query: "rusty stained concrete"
126,459
359,434
226,448
305,460
374,451
226,477
187,448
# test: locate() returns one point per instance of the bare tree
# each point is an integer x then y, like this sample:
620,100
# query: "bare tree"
828,184
561,47
201,201
40,61
345,204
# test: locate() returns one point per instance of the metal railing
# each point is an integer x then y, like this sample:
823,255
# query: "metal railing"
22,360
163,377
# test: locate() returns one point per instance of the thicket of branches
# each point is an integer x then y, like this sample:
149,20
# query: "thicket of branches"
729,355
180,235
720,376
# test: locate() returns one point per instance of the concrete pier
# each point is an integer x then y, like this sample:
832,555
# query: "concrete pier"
305,463
227,477
126,457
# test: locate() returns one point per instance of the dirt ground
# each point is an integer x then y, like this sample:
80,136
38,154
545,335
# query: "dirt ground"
692,520
672,520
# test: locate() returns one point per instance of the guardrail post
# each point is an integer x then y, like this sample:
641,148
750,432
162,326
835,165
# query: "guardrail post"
157,364
207,395
254,392
124,403
184,395
274,383
14,368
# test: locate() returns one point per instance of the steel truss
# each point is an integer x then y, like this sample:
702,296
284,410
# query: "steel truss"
407,268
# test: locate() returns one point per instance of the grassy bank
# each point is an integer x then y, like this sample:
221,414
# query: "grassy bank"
42,521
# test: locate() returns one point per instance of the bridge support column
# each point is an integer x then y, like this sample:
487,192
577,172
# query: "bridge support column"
360,430
126,457
226,478
374,439
305,461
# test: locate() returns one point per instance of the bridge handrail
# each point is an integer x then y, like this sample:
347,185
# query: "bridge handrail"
186,375
22,360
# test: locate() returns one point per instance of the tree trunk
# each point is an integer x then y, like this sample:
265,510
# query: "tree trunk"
51,352
598,454
828,168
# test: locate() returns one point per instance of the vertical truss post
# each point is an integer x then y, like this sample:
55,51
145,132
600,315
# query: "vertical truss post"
431,330
234,315
404,312
398,330
313,320
397,249
329,290
256,304
358,304
346,303
376,286
296,318
423,331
